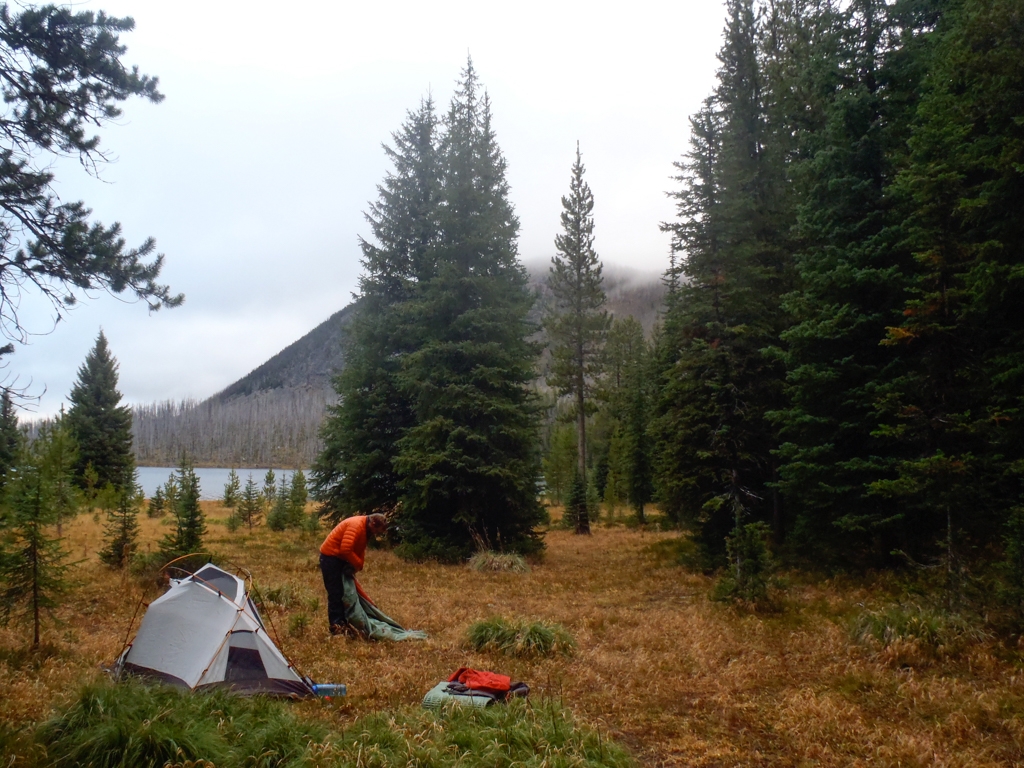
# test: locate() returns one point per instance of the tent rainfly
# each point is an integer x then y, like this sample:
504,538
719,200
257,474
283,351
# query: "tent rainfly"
205,632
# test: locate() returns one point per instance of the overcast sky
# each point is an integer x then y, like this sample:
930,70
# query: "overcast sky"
254,172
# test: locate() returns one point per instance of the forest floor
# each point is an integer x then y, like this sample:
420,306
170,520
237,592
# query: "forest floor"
678,679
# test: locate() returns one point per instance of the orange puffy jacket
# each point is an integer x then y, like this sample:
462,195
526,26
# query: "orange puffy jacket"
347,541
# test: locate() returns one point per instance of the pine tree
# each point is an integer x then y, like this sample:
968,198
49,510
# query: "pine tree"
32,567
297,497
101,427
232,489
355,470
65,77
578,325
190,521
171,494
269,490
121,532
157,504
61,454
469,464
560,463
250,508
279,515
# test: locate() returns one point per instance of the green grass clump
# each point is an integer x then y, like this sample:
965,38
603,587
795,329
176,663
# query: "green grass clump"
516,734
149,726
498,561
935,629
131,724
519,638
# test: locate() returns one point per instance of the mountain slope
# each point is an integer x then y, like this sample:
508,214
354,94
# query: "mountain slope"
272,415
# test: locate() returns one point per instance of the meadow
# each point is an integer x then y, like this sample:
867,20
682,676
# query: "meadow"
675,678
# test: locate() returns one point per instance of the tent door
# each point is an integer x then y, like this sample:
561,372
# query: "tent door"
244,661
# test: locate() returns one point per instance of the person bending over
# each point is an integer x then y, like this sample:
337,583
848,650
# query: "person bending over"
341,556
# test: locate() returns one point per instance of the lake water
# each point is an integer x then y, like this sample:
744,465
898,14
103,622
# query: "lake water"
211,479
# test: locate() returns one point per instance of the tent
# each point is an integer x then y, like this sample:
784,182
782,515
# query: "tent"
205,632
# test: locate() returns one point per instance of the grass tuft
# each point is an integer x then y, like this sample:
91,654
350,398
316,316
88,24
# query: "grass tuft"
910,629
508,735
499,561
149,726
154,726
518,638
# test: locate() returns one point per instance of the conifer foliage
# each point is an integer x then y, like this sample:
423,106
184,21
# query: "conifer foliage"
578,324
33,562
840,356
102,427
436,414
122,529
190,522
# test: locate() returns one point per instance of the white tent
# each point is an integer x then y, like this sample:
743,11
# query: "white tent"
205,632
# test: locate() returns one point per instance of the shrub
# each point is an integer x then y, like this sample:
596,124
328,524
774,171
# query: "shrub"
298,624
498,561
149,726
518,638
750,568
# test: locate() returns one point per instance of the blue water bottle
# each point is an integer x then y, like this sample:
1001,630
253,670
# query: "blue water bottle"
327,690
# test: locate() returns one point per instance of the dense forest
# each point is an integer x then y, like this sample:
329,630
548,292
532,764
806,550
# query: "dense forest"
841,353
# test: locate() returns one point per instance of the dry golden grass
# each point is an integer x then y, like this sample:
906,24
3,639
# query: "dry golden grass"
679,680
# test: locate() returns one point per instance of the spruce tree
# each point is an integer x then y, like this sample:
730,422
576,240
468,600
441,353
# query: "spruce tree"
102,427
121,532
851,284
10,437
730,268
578,325
232,489
250,507
32,564
61,454
157,504
355,470
269,492
469,464
297,497
190,522
952,410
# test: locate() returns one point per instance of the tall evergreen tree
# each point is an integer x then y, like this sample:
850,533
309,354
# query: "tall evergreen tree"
871,57
355,471
953,409
730,269
32,564
469,464
578,325
101,426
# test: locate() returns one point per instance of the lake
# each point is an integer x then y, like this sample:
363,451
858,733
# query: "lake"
211,479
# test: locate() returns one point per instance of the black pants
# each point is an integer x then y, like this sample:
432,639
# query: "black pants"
334,571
